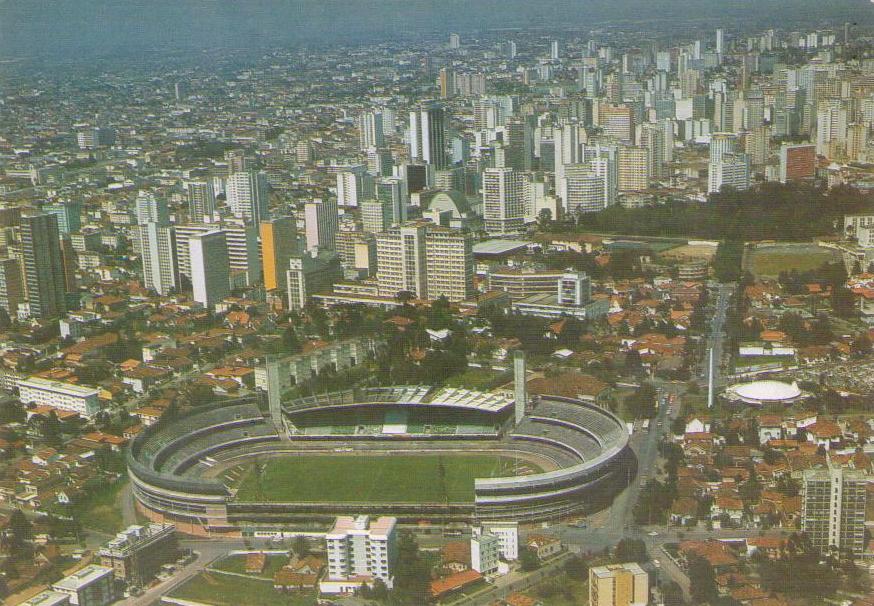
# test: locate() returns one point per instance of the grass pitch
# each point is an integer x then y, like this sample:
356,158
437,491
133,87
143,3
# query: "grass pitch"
770,262
373,479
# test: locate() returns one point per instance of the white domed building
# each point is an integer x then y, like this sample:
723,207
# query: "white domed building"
763,393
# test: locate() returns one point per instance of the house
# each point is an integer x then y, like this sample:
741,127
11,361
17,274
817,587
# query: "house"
770,428
543,545
572,385
454,583
825,433
698,424
684,511
728,506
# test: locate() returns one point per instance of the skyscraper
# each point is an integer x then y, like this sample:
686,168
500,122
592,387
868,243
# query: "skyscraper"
321,221
428,136
157,239
210,270
503,201
278,245
376,216
151,208
370,130
447,82
247,195
201,200
11,286
720,41
68,213
43,265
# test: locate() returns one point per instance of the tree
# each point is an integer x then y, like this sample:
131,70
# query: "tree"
843,301
631,550
51,430
20,532
290,342
301,546
199,394
412,575
577,567
703,581
528,559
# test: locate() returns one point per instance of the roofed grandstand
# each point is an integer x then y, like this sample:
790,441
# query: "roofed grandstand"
179,469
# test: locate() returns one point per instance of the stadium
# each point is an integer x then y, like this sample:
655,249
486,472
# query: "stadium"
414,452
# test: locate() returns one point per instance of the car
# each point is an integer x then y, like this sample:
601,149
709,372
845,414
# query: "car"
656,563
582,525
653,533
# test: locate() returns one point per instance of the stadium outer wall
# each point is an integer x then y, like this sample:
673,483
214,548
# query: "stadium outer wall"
207,508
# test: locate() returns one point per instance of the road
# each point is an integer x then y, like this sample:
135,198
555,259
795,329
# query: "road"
716,336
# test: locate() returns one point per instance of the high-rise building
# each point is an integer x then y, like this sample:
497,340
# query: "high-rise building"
428,136
360,551
138,552
321,221
376,216
554,50
210,269
618,585
151,208
201,200
568,139
44,275
582,190
158,253
721,144
797,162
833,502
720,41
11,286
371,132
733,170
426,260
393,190
652,138
633,168
353,186
447,82
69,215
238,161
616,121
247,195
454,41
278,245
503,200
242,243
309,273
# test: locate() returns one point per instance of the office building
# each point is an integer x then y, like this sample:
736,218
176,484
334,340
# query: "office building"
353,186
733,170
201,201
158,256
311,272
504,199
426,260
11,286
357,251
376,216
371,132
278,245
322,222
485,552
44,275
582,189
69,215
242,242
567,141
833,501
150,208
137,553
247,194
454,41
634,168
447,82
720,41
393,190
210,269
652,139
428,136
618,585
616,121
797,162
90,586
360,551
65,396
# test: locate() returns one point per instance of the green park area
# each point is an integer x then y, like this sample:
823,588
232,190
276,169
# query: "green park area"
231,590
771,261
371,479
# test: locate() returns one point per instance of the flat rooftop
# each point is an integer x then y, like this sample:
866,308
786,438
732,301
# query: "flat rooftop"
59,386
499,247
82,578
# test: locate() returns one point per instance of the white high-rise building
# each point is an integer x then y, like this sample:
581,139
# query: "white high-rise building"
426,260
201,200
353,186
485,553
504,200
454,41
242,241
247,195
371,132
149,207
428,136
833,502
376,216
322,223
158,252
567,147
360,551
582,190
210,270
733,170
720,41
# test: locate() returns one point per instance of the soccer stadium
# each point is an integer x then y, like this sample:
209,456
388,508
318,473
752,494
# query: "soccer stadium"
415,452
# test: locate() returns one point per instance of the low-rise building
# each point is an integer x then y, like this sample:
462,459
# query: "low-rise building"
90,586
485,551
66,396
618,585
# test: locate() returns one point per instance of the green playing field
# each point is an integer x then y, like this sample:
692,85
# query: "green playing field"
371,479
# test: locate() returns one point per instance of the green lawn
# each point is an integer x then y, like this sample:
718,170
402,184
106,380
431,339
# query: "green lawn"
99,509
371,479
767,263
227,590
237,563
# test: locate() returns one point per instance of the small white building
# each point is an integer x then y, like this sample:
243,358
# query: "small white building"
91,586
48,598
66,396
508,533
485,551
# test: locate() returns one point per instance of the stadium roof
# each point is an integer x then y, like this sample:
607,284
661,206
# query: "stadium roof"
465,398
499,247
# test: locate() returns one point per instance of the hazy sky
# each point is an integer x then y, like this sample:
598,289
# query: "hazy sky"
89,28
